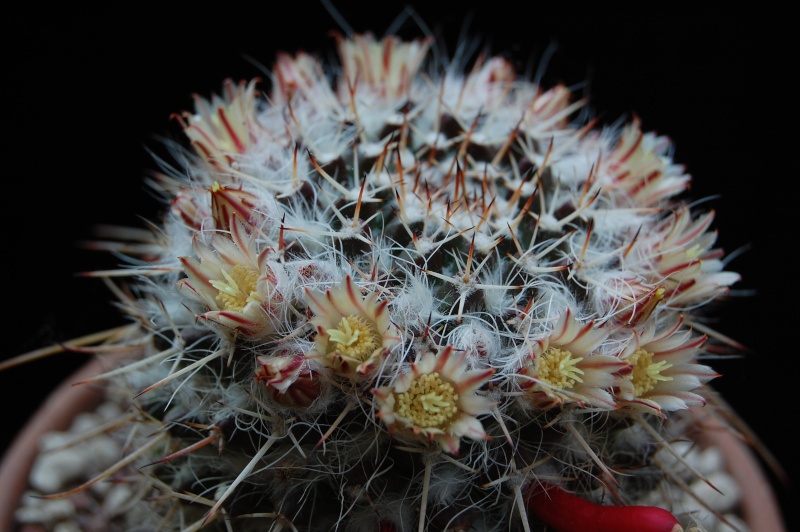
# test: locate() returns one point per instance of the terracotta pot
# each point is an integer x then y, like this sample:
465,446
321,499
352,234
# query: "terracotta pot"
55,414
759,504
760,508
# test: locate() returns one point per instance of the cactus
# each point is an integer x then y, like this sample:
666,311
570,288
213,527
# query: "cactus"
390,293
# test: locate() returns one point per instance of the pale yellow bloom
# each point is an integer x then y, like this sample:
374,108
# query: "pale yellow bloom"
663,369
233,280
640,170
225,126
353,333
564,367
385,68
679,254
436,401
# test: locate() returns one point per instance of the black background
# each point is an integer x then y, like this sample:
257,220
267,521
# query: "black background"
87,88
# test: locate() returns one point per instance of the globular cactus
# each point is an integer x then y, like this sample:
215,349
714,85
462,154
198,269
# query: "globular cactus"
393,293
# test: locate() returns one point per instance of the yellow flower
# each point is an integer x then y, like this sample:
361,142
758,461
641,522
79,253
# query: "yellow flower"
386,67
234,282
353,332
564,367
224,127
663,370
639,169
679,254
436,401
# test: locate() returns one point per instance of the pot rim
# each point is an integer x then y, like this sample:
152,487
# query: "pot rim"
56,413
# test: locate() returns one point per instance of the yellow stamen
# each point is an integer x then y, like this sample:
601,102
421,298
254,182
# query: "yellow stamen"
645,374
238,289
353,339
694,252
430,402
557,368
